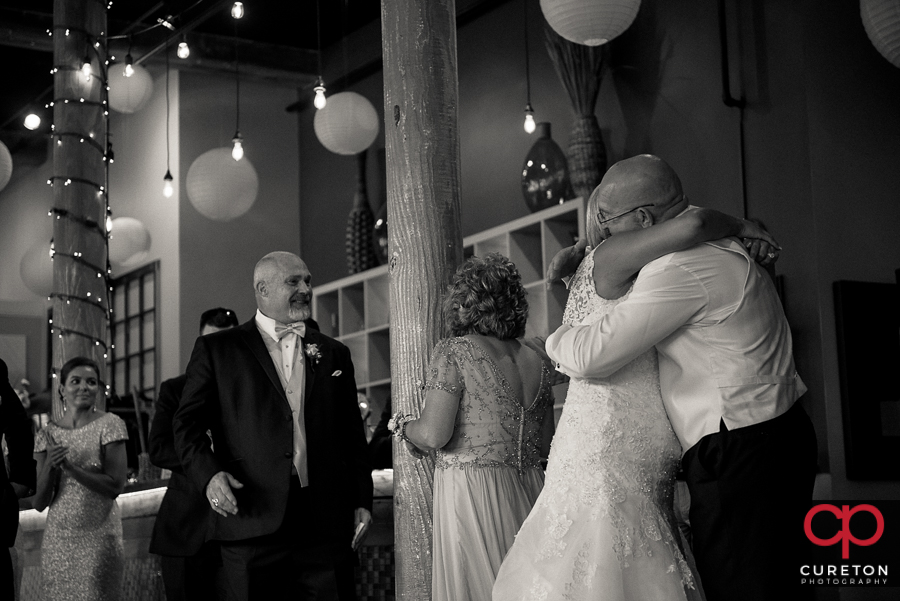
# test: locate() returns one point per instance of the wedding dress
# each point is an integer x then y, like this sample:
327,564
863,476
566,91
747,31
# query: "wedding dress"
603,527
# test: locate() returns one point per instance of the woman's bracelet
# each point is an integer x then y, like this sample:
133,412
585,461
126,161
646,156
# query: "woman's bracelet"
397,425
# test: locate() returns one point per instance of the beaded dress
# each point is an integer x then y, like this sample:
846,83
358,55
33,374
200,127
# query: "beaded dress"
81,553
603,528
488,476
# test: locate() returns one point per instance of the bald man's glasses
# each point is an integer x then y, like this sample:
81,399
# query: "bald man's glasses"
608,219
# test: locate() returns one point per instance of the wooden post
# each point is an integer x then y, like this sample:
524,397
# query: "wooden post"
80,289
424,241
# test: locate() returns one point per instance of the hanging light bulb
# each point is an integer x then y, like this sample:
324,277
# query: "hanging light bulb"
237,153
86,67
184,50
529,119
32,121
168,190
237,10
129,66
320,94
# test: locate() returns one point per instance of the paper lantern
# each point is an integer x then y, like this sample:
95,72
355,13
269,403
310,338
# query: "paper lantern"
129,242
221,188
348,124
881,18
36,269
5,165
129,94
590,22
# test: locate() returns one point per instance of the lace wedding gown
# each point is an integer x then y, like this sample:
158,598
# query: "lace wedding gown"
603,527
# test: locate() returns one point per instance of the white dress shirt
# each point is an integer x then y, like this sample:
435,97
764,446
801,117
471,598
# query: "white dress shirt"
288,358
724,344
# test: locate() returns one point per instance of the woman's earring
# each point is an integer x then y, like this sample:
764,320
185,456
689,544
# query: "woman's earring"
94,408
65,406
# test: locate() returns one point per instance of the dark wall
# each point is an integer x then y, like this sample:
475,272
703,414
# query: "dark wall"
815,152
217,258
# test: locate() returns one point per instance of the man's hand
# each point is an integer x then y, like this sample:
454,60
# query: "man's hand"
566,261
362,520
219,495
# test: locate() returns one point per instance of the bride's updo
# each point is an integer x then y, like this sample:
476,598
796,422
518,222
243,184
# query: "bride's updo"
486,297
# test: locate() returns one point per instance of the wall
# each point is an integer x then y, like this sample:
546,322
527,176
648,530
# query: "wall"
854,153
217,258
136,190
814,152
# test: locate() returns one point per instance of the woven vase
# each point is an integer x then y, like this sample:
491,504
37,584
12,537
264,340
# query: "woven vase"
586,155
360,224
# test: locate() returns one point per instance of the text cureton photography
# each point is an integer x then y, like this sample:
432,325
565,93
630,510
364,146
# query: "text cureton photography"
851,544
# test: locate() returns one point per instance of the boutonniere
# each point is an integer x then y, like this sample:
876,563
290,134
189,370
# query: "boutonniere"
312,351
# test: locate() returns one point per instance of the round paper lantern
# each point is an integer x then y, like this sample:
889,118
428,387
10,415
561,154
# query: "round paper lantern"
129,94
881,18
36,269
129,242
5,165
348,124
219,187
589,22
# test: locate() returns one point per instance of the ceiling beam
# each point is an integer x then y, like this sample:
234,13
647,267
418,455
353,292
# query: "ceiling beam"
286,65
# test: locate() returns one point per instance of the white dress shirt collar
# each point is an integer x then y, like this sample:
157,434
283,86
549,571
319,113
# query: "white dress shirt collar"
267,324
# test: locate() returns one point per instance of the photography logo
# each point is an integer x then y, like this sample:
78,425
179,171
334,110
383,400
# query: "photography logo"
851,544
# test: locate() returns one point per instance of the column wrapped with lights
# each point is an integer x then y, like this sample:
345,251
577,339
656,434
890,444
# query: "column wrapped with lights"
80,267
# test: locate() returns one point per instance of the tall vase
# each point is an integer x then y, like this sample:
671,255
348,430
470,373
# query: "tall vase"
586,155
360,223
380,234
545,175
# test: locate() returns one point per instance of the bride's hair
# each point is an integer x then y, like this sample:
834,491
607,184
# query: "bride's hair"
486,297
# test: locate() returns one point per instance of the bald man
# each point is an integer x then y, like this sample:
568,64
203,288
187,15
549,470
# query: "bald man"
287,472
728,384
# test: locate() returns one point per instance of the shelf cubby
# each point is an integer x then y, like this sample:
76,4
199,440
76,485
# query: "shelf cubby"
352,309
356,309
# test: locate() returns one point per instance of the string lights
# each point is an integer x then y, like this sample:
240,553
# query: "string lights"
237,10
184,50
237,151
529,110
319,101
168,188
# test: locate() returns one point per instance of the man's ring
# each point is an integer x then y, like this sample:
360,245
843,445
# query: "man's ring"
215,502
771,255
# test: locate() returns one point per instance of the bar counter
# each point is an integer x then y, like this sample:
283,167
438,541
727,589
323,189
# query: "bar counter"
138,506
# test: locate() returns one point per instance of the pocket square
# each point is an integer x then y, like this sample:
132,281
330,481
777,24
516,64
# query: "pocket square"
336,373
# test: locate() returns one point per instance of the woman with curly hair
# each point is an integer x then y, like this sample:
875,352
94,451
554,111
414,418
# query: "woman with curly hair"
488,414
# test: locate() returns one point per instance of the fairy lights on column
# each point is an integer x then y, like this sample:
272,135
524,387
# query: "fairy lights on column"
81,155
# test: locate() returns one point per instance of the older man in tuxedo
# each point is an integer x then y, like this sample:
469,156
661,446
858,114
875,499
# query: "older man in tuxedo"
728,384
286,473
20,481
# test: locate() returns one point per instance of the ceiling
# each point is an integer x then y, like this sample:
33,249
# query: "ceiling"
275,39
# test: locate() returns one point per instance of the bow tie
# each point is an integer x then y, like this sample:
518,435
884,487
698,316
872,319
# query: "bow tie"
298,328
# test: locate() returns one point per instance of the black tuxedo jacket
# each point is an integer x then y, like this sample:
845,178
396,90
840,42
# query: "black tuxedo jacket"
16,426
233,390
184,519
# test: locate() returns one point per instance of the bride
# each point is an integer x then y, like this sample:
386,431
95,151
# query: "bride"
603,528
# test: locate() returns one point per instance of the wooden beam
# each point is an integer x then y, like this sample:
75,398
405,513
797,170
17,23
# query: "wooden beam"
421,94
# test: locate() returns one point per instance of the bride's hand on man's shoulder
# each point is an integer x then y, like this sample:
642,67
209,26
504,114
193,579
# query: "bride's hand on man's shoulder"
566,261
760,244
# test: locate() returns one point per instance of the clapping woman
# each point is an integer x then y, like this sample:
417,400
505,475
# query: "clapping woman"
489,415
81,467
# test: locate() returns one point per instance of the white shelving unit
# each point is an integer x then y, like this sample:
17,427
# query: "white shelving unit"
355,309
